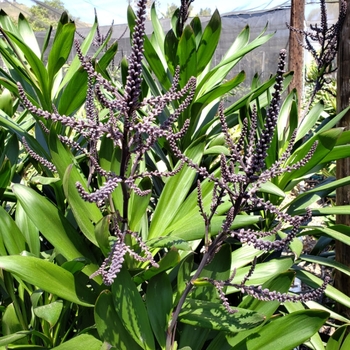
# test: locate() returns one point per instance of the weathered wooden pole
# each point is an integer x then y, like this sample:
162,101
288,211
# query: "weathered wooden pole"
296,51
342,251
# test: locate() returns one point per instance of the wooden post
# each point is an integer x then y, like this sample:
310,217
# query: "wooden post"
296,52
342,251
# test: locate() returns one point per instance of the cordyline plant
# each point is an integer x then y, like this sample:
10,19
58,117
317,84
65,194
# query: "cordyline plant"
133,127
326,37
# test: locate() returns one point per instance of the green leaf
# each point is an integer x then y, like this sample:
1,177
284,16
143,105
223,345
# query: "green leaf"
219,270
309,121
170,48
74,94
262,272
319,191
335,341
169,242
159,308
331,292
326,262
81,342
336,210
208,42
58,231
286,332
184,275
28,230
10,234
131,310
338,152
50,312
44,275
38,69
28,35
171,199
138,205
86,214
12,338
6,102
214,316
192,227
109,326
270,188
171,259
187,56
280,283
152,58
346,343
75,64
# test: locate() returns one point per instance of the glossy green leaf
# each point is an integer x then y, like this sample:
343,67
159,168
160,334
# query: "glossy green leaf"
216,92
280,283
346,343
36,66
28,230
86,214
81,342
45,275
270,188
58,231
197,30
159,36
187,56
138,205
6,102
216,75
109,326
171,259
219,270
286,332
336,210
192,228
319,191
315,282
12,338
5,175
338,152
159,308
326,262
212,315
171,198
75,64
28,35
153,60
169,242
50,312
171,43
335,341
131,310
184,274
208,42
106,59
283,120
262,272
11,320
74,94
309,120
10,234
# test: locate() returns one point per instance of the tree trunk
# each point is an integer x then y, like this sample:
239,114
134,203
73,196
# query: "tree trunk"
342,251
296,52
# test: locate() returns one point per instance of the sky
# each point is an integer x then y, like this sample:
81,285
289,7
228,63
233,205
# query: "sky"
109,10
